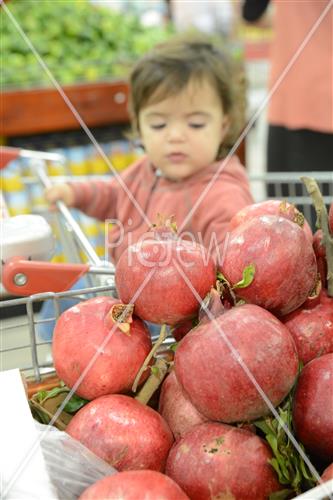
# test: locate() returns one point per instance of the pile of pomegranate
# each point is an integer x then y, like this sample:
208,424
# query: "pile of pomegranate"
251,330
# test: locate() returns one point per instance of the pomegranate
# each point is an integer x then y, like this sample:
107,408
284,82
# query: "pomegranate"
80,335
211,306
320,252
176,408
123,432
312,407
163,259
215,460
135,485
318,245
284,261
328,473
312,328
213,379
271,207
181,330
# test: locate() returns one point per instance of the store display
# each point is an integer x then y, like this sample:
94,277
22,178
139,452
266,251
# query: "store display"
78,42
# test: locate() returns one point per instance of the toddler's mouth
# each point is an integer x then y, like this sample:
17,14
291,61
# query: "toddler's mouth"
176,157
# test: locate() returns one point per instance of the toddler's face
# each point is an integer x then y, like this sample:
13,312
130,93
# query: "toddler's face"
182,133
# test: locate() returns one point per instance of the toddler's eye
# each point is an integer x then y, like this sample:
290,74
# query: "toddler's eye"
158,126
197,125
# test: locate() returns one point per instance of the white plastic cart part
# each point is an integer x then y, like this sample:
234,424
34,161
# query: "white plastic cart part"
27,236
23,469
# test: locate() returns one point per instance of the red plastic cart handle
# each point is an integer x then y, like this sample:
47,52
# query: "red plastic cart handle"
7,155
27,277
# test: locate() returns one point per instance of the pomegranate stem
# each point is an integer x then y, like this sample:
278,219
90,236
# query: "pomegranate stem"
322,223
151,385
159,341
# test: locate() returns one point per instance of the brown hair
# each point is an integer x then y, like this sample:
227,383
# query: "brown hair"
169,67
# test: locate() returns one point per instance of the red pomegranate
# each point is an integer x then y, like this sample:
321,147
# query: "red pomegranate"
123,432
135,485
214,460
181,330
318,245
284,261
214,380
312,407
328,473
160,274
312,328
320,252
90,334
176,408
280,208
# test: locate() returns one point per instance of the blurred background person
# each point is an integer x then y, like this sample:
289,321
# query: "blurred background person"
300,111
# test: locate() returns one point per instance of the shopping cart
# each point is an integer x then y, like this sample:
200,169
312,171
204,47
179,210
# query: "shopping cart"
288,186
21,344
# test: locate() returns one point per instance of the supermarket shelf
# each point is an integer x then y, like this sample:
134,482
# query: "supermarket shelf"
26,112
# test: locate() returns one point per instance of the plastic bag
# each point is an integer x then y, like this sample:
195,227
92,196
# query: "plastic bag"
71,466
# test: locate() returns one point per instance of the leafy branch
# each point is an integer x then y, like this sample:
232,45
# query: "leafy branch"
292,471
44,415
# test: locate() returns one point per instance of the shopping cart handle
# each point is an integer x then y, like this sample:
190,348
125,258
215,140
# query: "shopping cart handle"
27,277
7,155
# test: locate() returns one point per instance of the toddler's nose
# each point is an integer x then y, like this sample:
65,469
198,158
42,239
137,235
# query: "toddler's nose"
176,133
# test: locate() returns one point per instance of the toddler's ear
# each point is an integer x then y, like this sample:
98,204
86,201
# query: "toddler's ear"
225,127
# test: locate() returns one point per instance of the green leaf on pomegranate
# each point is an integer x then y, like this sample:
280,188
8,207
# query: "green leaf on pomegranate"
74,404
287,462
247,277
263,426
155,371
280,495
43,396
276,466
173,347
222,278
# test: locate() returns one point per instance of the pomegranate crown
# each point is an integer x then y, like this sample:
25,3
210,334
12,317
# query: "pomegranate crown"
165,227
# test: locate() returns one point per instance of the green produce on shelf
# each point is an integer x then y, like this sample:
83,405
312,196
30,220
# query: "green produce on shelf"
78,41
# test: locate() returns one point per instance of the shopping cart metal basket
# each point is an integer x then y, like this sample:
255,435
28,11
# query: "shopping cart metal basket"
288,186
21,346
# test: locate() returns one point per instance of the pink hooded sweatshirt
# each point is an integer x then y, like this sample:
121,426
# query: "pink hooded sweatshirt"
155,194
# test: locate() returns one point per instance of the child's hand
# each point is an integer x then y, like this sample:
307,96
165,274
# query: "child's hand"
60,192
